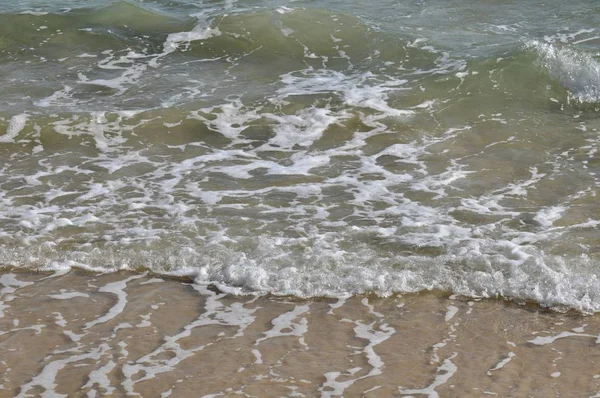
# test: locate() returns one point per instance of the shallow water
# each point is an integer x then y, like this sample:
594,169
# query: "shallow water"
312,149
82,334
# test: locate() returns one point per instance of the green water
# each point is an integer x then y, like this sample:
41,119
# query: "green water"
316,148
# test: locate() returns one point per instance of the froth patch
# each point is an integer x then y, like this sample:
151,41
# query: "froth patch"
577,70
15,126
175,40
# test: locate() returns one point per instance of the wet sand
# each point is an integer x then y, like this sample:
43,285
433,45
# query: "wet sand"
123,334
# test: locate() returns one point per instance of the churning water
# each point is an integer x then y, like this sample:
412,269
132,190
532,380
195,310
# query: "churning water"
312,148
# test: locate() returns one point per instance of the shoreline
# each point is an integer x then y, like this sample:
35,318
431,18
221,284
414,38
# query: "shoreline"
239,292
127,334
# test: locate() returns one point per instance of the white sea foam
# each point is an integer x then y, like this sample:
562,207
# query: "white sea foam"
546,217
68,295
452,310
216,313
176,40
100,377
118,289
286,321
444,373
375,333
34,12
544,340
502,363
10,285
47,377
577,70
15,126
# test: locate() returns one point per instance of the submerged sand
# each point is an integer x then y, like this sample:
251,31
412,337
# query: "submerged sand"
82,334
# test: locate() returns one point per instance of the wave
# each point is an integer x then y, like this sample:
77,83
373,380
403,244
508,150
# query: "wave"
301,34
127,57
576,70
319,267
360,160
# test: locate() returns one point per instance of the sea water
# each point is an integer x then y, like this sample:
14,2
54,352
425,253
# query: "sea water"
307,148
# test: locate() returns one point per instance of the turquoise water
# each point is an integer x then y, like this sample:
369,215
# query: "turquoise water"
315,148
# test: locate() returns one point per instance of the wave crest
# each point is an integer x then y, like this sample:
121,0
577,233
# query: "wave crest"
577,71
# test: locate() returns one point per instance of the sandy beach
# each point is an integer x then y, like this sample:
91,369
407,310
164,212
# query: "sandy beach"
123,334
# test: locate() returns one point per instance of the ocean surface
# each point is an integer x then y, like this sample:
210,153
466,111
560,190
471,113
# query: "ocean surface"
307,148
